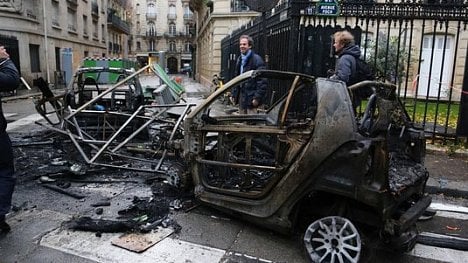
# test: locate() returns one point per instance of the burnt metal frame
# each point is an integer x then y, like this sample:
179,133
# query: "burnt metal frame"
101,147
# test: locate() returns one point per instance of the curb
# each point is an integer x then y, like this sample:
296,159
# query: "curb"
461,153
431,189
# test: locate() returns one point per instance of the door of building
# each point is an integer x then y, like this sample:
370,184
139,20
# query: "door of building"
430,76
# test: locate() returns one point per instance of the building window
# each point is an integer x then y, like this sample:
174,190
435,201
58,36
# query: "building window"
151,45
95,30
187,47
172,46
58,66
103,33
85,25
138,45
172,12
151,11
55,14
151,29
239,6
187,13
172,29
34,58
71,20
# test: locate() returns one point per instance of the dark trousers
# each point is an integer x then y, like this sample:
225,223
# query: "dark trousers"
7,180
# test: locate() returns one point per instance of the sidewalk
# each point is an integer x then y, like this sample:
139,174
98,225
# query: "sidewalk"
448,174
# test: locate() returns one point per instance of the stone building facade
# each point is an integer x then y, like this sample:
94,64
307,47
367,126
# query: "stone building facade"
163,32
50,38
215,20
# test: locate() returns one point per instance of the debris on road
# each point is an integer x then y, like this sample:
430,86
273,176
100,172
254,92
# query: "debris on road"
65,192
138,242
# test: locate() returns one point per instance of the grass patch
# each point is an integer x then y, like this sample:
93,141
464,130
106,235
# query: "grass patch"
441,112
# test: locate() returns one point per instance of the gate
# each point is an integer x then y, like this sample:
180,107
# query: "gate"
415,45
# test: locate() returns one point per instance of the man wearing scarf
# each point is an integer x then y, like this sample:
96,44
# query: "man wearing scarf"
250,95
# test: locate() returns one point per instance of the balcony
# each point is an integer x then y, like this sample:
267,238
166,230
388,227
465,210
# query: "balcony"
151,34
171,16
188,18
117,24
151,16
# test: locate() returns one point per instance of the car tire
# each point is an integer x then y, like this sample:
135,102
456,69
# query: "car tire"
332,239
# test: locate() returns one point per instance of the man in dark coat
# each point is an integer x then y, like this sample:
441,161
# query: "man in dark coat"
348,52
251,94
9,80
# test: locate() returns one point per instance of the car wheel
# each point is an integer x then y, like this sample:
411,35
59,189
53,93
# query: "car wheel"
332,239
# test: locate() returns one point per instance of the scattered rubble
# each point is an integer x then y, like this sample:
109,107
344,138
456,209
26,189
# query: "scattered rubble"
53,165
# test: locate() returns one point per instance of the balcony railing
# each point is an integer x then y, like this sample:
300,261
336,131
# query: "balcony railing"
151,33
171,16
188,17
151,16
177,34
118,23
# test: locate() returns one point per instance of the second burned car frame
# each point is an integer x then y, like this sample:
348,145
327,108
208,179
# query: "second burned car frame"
305,161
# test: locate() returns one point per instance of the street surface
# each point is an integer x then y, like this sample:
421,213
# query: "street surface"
206,235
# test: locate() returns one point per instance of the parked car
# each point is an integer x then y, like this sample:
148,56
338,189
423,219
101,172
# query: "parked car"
186,70
306,163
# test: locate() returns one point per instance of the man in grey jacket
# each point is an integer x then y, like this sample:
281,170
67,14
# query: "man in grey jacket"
348,52
9,80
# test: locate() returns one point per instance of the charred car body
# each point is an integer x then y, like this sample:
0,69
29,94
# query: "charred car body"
305,161
308,157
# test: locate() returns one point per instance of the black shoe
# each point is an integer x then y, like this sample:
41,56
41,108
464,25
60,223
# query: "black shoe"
4,227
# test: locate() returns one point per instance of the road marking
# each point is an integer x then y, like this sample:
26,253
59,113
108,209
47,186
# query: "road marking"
24,121
449,208
8,115
437,253
452,215
87,245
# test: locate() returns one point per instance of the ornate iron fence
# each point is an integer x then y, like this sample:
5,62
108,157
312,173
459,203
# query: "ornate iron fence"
419,45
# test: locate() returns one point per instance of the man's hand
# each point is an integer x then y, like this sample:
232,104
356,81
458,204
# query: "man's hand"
255,103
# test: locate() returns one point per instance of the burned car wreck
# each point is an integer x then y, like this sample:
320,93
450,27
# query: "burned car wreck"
307,158
305,162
